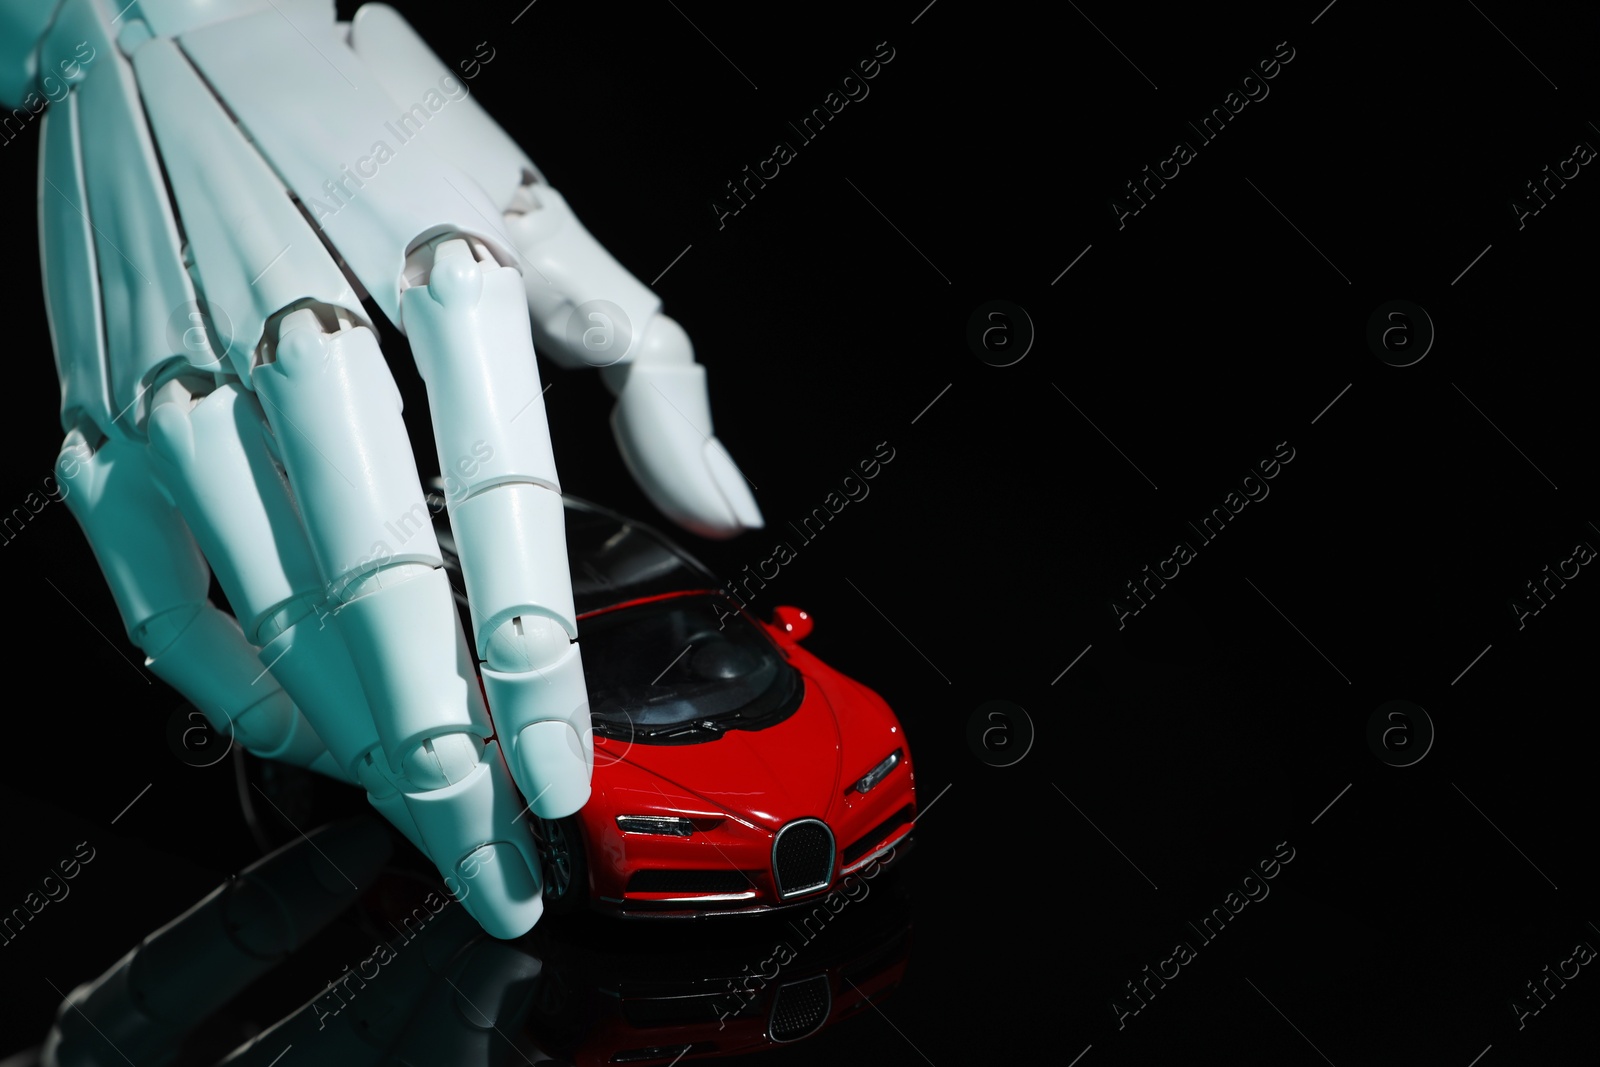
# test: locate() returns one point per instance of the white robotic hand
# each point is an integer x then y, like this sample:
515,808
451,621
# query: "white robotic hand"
221,182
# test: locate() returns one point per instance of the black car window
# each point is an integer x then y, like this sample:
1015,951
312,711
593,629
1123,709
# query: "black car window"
614,560
682,662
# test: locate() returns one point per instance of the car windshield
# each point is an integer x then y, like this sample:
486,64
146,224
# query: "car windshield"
683,664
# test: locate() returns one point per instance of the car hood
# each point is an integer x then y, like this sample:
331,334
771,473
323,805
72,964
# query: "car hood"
767,777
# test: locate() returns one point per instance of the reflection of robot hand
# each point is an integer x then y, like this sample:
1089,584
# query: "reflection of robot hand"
426,986
421,996
178,976
217,196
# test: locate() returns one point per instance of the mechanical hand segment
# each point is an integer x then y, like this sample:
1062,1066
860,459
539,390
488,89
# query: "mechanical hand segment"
248,171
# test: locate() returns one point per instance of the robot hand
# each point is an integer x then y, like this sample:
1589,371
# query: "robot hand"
221,184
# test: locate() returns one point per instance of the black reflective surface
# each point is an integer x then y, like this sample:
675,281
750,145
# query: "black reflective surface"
414,980
1088,886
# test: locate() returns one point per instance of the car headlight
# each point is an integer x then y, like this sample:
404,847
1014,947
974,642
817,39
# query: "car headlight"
878,773
660,825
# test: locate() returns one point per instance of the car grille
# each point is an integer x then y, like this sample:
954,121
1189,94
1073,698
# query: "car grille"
658,881
802,857
876,834
800,1009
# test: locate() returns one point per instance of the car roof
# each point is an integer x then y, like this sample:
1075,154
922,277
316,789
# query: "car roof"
611,558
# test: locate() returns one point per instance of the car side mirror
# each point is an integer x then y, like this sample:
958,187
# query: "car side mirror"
792,622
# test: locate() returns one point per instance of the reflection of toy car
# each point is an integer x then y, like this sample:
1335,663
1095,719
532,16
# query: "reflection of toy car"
733,770
596,1003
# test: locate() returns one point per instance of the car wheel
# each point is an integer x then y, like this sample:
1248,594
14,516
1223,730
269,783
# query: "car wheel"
566,868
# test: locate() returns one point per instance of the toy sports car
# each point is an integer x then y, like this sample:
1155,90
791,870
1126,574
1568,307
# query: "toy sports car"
733,770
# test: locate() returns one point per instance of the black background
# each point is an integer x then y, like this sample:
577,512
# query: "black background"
1227,715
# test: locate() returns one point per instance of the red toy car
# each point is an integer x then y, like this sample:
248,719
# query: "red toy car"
733,771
